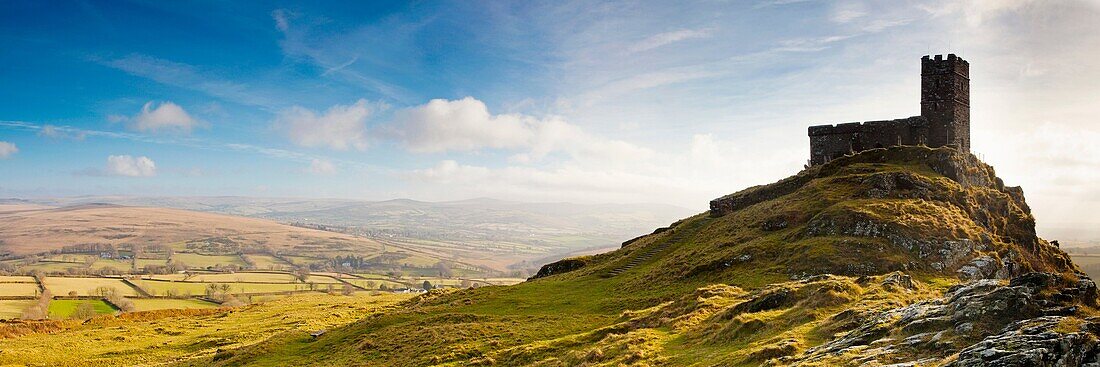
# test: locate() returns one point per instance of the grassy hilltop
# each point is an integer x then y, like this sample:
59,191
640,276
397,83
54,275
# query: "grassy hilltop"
893,227
891,255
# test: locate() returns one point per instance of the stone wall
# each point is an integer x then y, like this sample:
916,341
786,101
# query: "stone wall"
944,118
828,142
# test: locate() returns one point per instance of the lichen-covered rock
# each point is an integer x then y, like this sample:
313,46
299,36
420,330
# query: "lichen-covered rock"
986,322
1034,343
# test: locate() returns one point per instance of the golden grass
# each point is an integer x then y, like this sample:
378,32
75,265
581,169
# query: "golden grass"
157,337
61,286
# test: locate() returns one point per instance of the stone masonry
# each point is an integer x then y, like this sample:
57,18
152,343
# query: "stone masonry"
944,119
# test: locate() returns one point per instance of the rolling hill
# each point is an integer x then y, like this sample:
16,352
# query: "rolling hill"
901,255
27,230
485,232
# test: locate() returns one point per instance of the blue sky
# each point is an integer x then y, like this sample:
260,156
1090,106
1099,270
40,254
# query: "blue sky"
538,101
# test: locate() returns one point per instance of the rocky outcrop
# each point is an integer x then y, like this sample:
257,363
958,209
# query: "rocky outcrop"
560,267
1036,342
1034,320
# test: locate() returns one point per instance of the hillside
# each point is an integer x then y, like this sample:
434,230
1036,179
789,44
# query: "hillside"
889,256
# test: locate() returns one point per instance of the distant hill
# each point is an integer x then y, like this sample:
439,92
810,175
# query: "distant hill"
30,229
491,232
900,256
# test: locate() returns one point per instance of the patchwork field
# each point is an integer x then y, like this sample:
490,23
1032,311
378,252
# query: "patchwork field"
161,288
234,277
61,286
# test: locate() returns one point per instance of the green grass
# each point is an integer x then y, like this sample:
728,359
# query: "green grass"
141,263
118,265
63,308
166,304
268,262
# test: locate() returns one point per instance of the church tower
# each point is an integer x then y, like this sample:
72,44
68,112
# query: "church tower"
945,101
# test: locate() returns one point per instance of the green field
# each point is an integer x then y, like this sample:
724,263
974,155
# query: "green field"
142,262
303,260
193,260
12,309
147,304
268,262
52,267
18,289
118,265
62,308
61,286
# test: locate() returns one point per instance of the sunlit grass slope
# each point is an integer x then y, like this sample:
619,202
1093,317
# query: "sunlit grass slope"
735,289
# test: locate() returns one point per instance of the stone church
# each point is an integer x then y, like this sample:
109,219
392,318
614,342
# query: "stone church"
944,117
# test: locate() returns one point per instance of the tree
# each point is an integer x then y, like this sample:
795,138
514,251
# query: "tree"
427,285
444,269
348,289
103,291
302,273
84,311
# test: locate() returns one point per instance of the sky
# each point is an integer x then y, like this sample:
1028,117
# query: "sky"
579,101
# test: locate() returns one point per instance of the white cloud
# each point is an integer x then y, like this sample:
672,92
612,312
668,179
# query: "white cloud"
462,125
130,166
467,125
321,167
166,116
662,39
55,132
340,127
7,149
